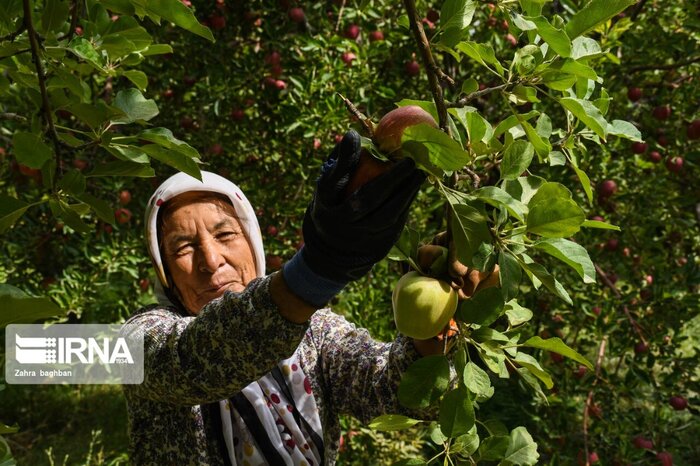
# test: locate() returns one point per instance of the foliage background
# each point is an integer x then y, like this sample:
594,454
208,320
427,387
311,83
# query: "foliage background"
272,141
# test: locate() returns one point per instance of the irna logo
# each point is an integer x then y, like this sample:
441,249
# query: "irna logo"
68,350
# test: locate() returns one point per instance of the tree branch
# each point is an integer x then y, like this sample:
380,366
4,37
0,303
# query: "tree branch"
73,21
358,114
11,36
434,73
340,16
671,66
46,105
637,10
475,95
13,116
589,399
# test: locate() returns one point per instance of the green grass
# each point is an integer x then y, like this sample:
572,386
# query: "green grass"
71,425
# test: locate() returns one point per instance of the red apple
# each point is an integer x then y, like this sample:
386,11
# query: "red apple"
376,36
693,130
678,403
273,262
674,164
273,58
189,80
216,149
297,15
607,188
31,172
645,294
122,215
276,70
641,347
580,372
596,310
655,156
144,284
237,114
634,94
186,122
388,133
124,197
665,457
168,93
611,244
512,40
649,279
412,68
662,141
433,15
271,230
556,357
367,169
662,112
317,143
639,147
352,31
80,164
642,443
280,85
348,58
217,22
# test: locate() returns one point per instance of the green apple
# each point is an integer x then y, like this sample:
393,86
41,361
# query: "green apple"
422,305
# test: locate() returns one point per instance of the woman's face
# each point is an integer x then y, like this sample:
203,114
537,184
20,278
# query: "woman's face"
205,249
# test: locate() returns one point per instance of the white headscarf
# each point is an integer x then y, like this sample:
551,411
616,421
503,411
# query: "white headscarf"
211,182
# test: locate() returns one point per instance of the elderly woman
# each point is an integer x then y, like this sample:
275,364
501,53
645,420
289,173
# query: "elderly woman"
247,369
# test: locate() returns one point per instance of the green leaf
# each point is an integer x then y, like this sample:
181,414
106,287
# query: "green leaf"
30,150
572,254
522,450
456,413
54,14
557,346
539,273
494,448
483,308
517,314
482,53
392,422
556,38
585,182
73,182
624,129
588,113
406,246
408,462
128,153
443,151
469,86
424,381
157,49
558,80
5,429
512,121
20,308
94,115
542,146
68,214
510,275
600,225
175,159
466,444
123,168
478,129
455,16
135,106
516,159
477,381
523,188
532,365
101,208
84,49
137,77
594,13
497,197
548,191
469,229
11,209
164,137
176,12
557,218
584,47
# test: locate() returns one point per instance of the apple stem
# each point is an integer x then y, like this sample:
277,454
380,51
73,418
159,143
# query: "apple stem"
366,122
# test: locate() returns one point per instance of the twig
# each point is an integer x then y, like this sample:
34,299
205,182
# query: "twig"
476,180
614,289
12,116
589,399
637,10
671,66
475,95
73,22
46,105
366,122
11,36
340,16
434,73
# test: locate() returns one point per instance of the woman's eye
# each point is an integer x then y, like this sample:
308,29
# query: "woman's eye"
226,235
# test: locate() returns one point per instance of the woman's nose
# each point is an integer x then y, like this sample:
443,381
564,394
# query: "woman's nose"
211,256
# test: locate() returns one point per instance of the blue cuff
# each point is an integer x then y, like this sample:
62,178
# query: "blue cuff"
307,284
